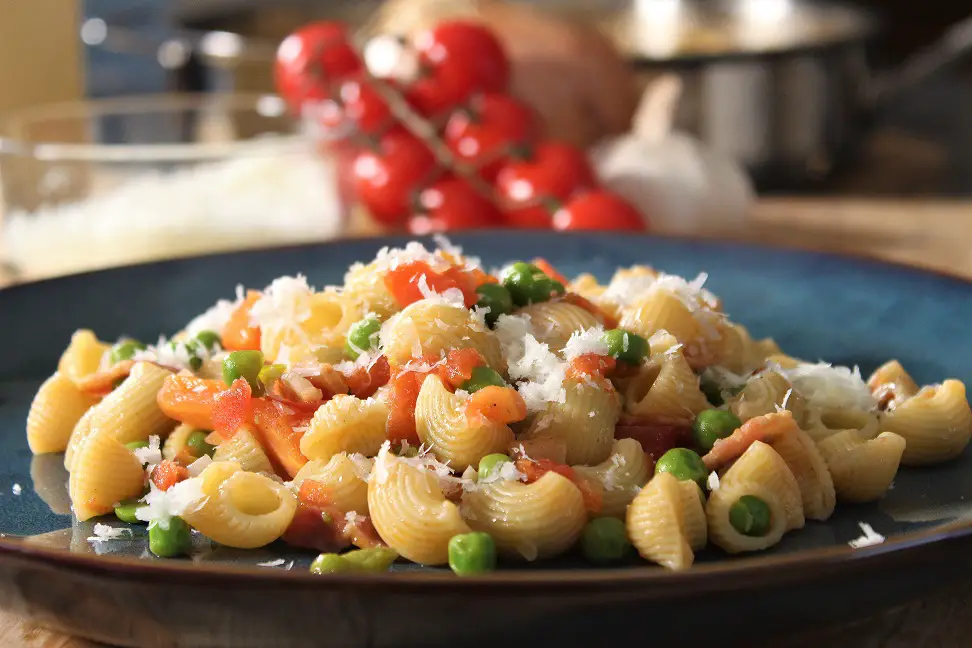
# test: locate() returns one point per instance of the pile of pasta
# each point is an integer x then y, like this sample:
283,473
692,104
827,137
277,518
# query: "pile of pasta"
441,413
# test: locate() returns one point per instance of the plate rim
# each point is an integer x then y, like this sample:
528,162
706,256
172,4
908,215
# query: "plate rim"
772,569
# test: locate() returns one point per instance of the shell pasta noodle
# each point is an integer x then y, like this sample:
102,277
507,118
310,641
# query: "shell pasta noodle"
430,409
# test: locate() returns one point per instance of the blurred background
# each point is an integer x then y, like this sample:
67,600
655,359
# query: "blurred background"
142,129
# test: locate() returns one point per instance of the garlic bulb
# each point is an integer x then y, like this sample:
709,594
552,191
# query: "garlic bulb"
677,183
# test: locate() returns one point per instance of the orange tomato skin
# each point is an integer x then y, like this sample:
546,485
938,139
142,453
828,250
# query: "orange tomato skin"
189,400
238,334
591,365
401,418
548,269
276,434
502,405
232,407
403,282
167,474
363,383
458,366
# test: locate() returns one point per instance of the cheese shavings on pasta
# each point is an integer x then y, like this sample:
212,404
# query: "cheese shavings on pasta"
451,297
196,467
540,372
424,460
609,478
626,290
216,317
826,385
151,455
161,505
285,304
587,341
868,539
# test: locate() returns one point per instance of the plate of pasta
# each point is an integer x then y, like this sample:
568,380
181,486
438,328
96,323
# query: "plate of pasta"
529,426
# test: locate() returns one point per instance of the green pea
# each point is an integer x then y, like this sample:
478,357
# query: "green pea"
557,287
483,377
243,364
683,464
711,425
750,516
363,336
135,445
170,538
496,298
374,561
196,442
125,511
491,463
329,563
605,540
124,350
472,553
209,339
626,346
527,284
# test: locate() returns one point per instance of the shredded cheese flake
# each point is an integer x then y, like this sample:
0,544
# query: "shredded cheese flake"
869,538
589,340
272,563
106,532
285,303
199,465
161,505
151,455
826,385
713,481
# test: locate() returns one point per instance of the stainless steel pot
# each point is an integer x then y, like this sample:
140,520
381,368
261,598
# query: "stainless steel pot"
783,86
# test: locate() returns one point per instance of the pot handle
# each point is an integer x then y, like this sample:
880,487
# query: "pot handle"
951,47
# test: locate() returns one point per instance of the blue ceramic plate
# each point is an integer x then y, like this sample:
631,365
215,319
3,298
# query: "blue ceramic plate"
848,311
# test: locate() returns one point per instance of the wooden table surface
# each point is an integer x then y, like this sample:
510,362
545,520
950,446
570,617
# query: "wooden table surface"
929,233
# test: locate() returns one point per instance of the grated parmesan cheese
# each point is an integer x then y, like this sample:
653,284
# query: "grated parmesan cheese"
451,297
825,385
161,505
589,340
713,481
285,304
216,316
610,479
199,465
16,489
272,563
151,455
106,532
868,539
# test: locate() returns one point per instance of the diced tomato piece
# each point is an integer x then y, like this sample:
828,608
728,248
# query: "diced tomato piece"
577,300
189,399
656,437
591,365
363,383
502,405
403,282
232,407
362,533
314,528
534,469
480,277
275,432
167,474
314,493
458,366
238,334
547,269
401,418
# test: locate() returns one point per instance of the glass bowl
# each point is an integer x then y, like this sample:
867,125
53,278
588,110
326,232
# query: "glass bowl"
98,183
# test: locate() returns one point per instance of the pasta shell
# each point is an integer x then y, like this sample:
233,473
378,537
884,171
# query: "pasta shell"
863,469
531,521
656,522
105,473
410,512
621,476
665,389
344,479
55,411
429,328
762,465
585,421
244,449
442,425
82,357
810,470
936,423
345,424
553,322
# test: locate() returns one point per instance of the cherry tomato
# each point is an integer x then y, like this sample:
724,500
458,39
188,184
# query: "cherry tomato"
355,105
312,58
598,210
456,59
451,204
485,131
385,175
549,173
